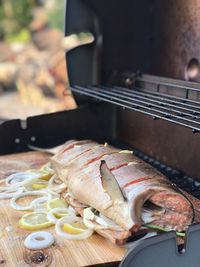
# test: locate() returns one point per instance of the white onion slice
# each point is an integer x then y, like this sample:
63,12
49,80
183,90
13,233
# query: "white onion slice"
68,219
9,193
59,188
56,187
47,168
105,220
147,216
21,178
16,206
75,203
89,219
51,192
51,181
38,203
39,240
68,211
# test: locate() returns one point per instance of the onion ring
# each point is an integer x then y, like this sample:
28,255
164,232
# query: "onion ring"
51,214
57,187
87,233
39,240
47,168
93,221
21,178
101,219
50,184
38,203
11,193
51,192
15,206
38,183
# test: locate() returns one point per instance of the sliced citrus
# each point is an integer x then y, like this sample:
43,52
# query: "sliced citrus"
42,174
46,176
36,184
39,184
34,221
57,203
74,228
47,168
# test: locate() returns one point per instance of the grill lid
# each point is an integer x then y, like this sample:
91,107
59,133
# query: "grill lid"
162,251
159,38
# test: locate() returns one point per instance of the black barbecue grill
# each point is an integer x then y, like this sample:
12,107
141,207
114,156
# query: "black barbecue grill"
155,114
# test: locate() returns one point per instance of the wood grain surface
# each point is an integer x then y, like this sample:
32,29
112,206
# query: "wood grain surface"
93,251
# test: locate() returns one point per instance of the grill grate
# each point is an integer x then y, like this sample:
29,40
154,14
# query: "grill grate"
179,110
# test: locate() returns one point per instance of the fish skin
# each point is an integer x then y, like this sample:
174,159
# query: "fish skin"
119,210
83,179
62,161
61,148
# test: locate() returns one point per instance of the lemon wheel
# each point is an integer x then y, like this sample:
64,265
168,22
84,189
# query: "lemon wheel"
57,203
35,221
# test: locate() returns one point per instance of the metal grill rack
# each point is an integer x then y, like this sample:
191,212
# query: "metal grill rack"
180,110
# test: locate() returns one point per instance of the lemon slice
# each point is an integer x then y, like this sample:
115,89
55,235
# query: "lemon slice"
46,176
47,168
42,174
57,203
74,228
36,184
34,221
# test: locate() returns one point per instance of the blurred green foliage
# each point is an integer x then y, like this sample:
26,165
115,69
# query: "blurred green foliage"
56,16
15,16
22,36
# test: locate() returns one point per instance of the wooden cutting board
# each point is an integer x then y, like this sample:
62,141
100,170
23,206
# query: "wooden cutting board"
93,251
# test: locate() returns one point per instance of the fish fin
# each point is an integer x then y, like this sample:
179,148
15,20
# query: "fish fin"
53,150
110,184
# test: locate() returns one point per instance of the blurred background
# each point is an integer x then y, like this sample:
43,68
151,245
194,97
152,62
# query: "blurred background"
33,76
